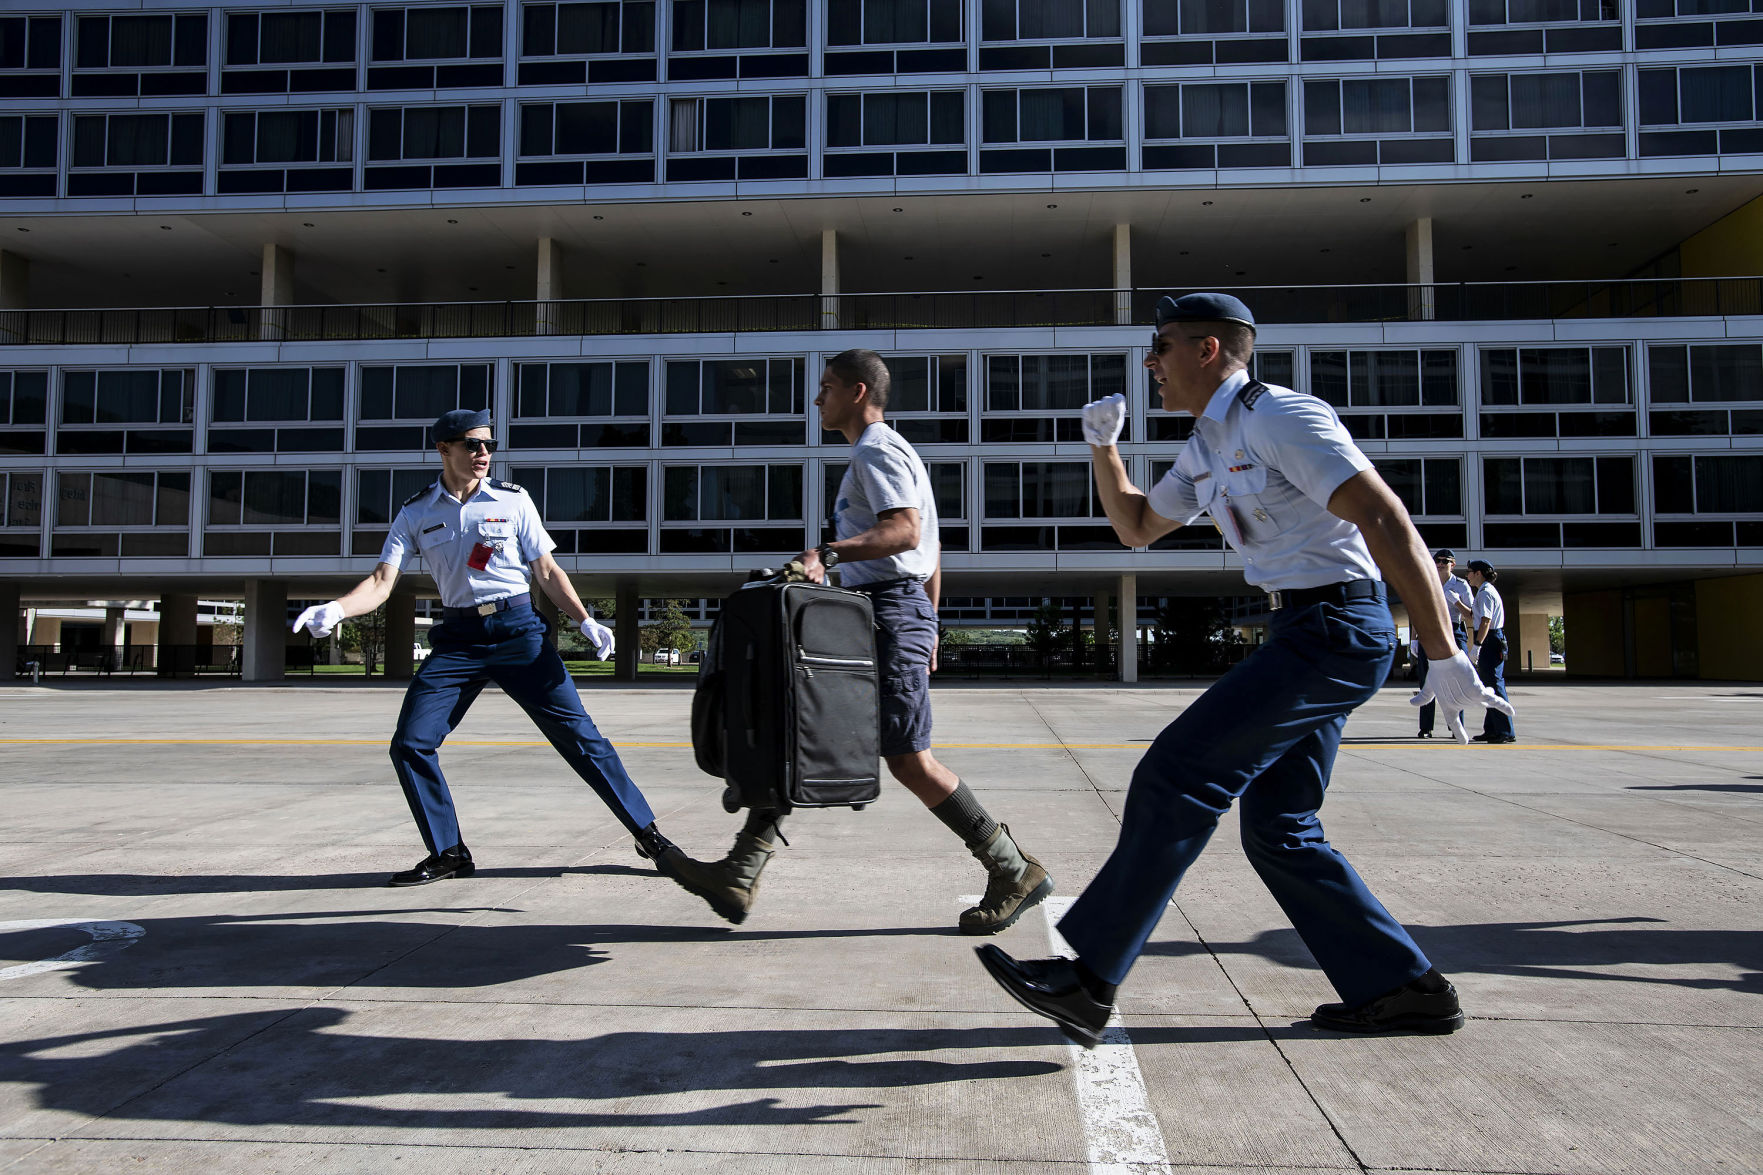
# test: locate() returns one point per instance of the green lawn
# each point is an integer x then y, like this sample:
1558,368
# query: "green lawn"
576,669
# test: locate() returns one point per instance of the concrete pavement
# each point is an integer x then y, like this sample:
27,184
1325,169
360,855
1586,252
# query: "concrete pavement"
200,966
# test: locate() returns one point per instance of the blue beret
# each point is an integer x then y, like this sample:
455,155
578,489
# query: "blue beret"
460,421
1444,553
1204,308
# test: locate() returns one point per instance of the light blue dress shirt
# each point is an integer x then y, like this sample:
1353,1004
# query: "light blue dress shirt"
477,550
1264,461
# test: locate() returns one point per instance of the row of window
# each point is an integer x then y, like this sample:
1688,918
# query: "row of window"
1529,502
1512,116
1427,378
470,32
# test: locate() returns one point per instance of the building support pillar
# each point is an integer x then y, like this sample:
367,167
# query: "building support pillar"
625,634
549,290
1100,606
400,636
1422,302
264,657
177,632
277,291
829,279
116,632
11,621
1123,274
1129,628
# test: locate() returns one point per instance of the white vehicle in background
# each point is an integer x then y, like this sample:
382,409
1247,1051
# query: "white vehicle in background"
420,651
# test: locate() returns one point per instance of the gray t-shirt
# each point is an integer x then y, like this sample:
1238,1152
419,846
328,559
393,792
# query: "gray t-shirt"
886,474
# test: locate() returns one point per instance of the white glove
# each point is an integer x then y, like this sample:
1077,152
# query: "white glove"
1454,686
1103,419
599,636
320,620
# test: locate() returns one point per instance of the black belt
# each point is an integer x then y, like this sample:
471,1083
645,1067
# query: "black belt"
1334,593
489,608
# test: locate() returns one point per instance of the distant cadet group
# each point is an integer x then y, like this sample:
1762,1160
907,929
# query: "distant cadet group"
1315,527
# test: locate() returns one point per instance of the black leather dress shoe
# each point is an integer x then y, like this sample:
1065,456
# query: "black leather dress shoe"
1050,988
455,862
1424,734
1480,738
1428,1004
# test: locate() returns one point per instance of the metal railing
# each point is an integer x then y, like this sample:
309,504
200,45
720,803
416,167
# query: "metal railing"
944,310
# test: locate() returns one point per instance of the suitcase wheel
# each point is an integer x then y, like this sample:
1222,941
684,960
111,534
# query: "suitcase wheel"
858,807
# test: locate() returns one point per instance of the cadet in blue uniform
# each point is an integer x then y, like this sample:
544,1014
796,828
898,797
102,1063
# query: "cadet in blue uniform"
1313,522
483,542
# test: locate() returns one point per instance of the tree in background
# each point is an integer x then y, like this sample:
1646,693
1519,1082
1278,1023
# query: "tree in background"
1558,635
669,630
1193,636
1047,631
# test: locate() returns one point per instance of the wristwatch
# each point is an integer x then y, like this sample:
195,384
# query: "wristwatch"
829,558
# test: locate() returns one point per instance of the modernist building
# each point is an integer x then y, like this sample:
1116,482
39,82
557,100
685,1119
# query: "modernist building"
248,251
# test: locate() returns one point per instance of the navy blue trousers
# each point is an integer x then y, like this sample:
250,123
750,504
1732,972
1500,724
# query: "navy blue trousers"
1490,666
1428,711
510,649
1265,733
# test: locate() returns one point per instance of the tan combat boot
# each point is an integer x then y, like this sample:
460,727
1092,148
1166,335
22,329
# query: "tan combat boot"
730,885
1016,882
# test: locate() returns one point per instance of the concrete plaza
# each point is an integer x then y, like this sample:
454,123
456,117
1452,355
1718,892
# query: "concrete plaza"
201,970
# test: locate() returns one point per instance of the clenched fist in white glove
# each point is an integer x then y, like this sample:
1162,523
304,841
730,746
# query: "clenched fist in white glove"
1103,420
599,636
320,620
1454,686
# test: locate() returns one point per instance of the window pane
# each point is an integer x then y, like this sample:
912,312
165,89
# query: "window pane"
1505,490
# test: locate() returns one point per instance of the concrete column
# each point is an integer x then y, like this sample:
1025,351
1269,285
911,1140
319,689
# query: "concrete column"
277,290
265,642
1129,628
115,630
10,623
400,636
177,632
829,279
1422,302
624,633
550,285
1099,608
1123,274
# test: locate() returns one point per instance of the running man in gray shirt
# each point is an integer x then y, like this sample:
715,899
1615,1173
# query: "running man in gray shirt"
885,522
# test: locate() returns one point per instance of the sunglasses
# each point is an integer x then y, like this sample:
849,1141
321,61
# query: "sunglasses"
476,444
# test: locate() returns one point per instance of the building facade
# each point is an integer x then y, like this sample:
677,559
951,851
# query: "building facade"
247,253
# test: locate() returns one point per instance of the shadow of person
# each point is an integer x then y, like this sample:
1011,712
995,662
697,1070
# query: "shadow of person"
1738,788
302,1067
143,884
371,948
1556,950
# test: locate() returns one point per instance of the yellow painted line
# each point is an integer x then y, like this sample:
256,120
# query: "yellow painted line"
1408,745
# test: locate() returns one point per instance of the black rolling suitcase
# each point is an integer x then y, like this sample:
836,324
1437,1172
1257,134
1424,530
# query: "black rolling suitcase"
786,709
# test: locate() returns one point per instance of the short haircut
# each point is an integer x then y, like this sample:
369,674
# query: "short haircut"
862,366
1236,342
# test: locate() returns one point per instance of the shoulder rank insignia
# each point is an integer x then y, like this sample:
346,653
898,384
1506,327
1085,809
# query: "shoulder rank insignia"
424,492
506,485
1252,391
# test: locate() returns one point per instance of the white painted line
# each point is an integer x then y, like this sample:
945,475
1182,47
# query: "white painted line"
1120,1131
1119,1127
108,938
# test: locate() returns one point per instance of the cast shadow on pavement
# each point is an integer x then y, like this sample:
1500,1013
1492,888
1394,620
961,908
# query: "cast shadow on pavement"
1742,788
1544,950
301,1068
370,949
139,884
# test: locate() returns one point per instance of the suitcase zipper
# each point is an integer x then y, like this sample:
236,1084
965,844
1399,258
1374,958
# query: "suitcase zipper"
815,659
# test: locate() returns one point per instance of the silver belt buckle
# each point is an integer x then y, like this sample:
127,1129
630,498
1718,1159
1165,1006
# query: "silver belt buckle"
487,609
1275,601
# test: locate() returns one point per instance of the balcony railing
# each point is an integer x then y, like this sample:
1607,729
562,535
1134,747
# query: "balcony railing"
988,309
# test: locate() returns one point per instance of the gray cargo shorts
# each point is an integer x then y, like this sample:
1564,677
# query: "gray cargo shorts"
905,634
